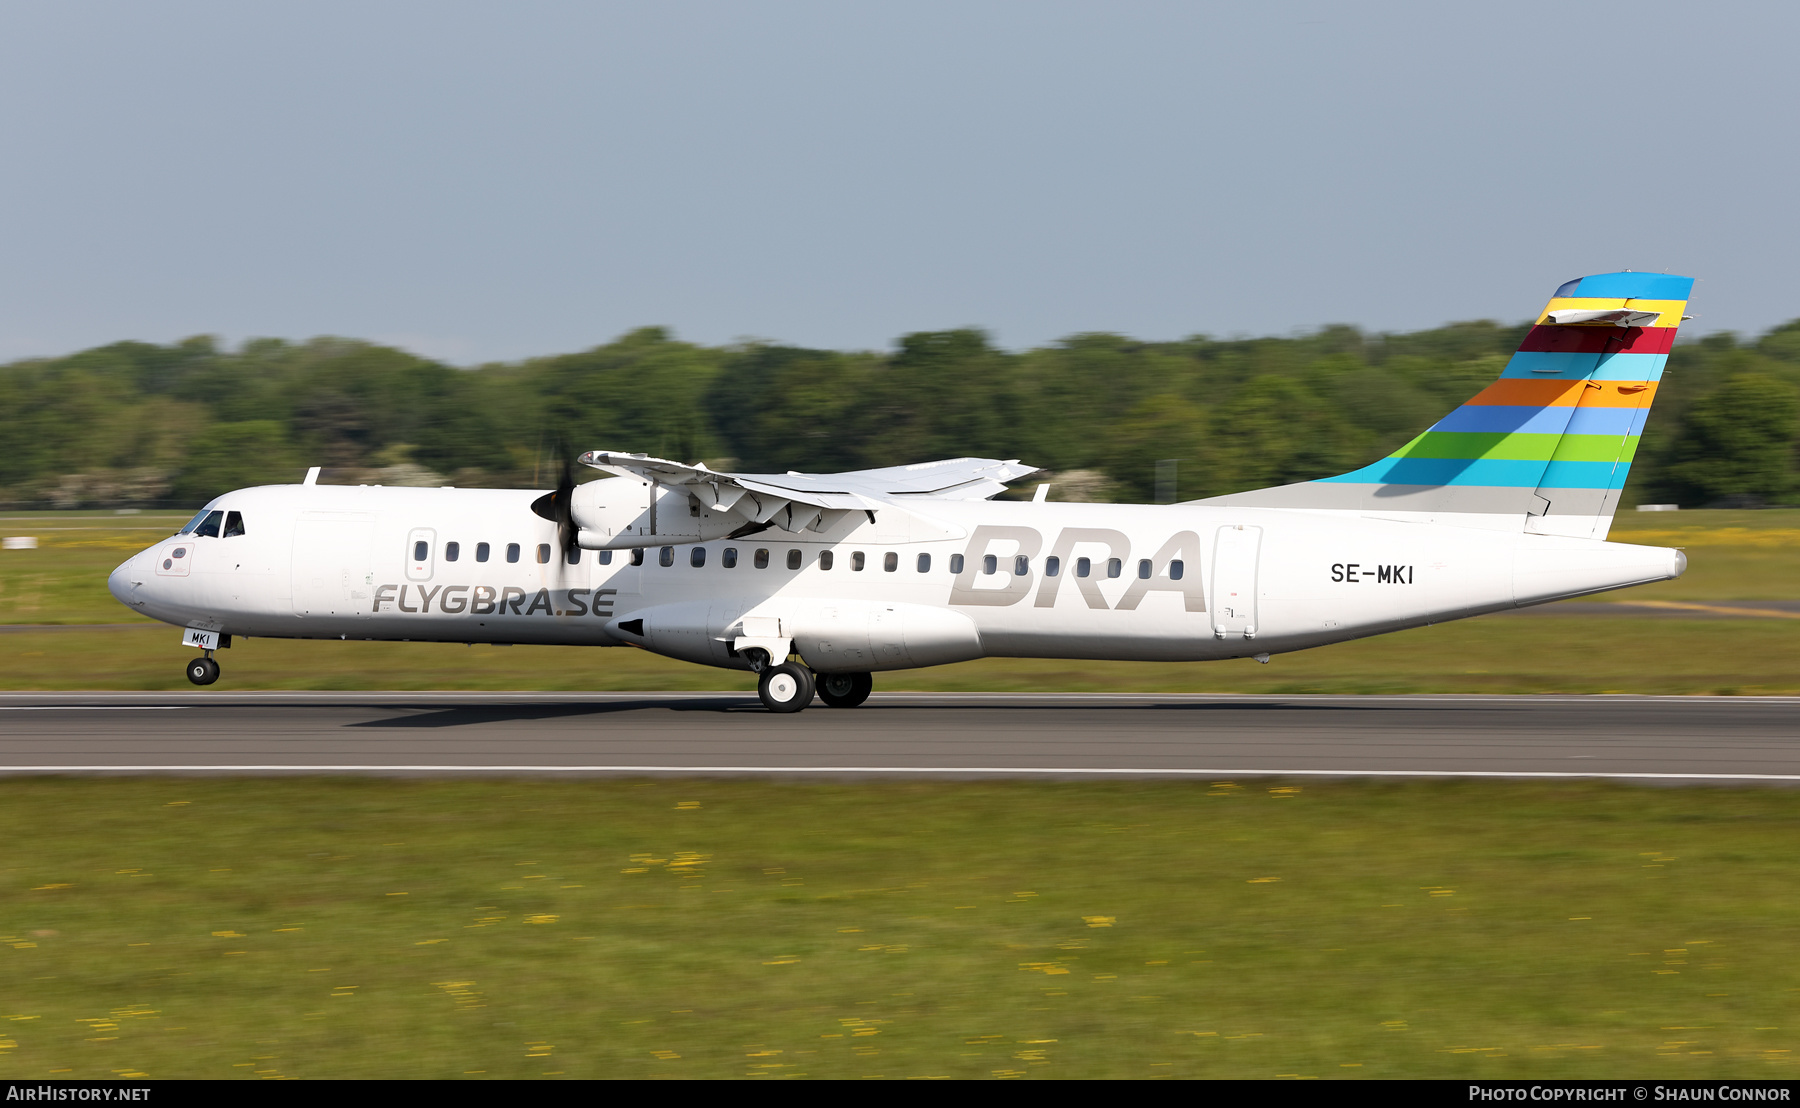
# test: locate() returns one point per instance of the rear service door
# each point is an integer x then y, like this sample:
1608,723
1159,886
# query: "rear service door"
1234,581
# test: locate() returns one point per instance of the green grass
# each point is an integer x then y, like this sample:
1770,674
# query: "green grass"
64,579
1731,555
376,928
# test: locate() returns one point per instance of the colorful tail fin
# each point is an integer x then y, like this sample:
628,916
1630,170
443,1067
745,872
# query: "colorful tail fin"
1546,447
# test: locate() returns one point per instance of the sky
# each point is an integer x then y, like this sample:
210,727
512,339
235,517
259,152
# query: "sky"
492,181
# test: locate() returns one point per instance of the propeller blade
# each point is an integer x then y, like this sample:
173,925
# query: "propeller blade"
566,534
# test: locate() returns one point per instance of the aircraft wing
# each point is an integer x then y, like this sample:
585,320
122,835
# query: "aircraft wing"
797,501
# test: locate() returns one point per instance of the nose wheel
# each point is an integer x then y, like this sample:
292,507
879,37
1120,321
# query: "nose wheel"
203,671
844,690
785,688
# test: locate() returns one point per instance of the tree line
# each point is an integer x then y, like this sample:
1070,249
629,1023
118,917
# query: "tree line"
142,424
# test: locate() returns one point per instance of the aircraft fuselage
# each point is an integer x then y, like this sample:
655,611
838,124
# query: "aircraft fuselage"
917,584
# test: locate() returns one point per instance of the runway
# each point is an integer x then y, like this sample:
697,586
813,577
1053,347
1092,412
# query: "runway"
1674,739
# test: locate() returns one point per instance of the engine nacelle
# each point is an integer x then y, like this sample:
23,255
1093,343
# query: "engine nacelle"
618,513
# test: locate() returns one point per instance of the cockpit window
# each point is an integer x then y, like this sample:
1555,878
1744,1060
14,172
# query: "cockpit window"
1567,288
234,524
209,527
188,527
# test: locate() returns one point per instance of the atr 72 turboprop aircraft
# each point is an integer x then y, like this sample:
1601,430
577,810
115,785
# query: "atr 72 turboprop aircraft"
816,581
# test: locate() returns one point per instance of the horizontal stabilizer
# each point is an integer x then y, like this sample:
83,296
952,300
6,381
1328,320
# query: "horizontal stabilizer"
1618,317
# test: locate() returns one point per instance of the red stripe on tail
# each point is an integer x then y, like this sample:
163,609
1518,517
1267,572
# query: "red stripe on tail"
1598,340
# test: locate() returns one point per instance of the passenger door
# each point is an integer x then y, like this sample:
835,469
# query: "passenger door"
332,575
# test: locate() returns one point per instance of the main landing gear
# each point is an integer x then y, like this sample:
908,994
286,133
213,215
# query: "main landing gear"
789,687
844,690
785,688
203,671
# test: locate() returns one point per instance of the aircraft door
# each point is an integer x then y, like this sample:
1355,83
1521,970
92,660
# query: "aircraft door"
332,574
1234,581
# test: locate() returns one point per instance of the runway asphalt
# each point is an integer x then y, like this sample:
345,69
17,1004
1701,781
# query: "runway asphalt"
1674,739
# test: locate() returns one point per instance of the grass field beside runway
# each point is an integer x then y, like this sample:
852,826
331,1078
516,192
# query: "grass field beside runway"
1733,557
377,928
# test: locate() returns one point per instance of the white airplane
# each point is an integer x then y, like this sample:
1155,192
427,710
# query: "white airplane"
816,581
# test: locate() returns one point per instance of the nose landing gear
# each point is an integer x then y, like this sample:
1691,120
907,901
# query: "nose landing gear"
203,671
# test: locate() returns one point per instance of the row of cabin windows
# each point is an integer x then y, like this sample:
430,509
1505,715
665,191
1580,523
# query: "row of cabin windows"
453,552
1084,567
728,558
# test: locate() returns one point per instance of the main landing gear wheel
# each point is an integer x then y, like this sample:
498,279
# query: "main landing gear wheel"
785,688
203,671
844,690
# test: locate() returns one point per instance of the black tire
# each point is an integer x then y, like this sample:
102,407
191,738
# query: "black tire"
203,671
785,688
844,690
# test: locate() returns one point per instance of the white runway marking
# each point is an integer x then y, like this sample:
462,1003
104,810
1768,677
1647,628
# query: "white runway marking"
1039,771
92,707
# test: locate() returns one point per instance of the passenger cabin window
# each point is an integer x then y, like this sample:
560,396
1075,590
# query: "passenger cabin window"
1021,566
637,556
512,551
606,557
697,557
990,564
728,558
762,557
956,563
665,556
1052,566
793,559
1083,567
209,527
234,524
924,563
1143,569
452,551
543,553
421,550
574,556
1176,569
1114,567
890,561
856,561
825,559
481,551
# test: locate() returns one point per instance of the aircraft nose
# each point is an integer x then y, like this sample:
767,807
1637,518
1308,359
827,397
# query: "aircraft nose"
121,583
